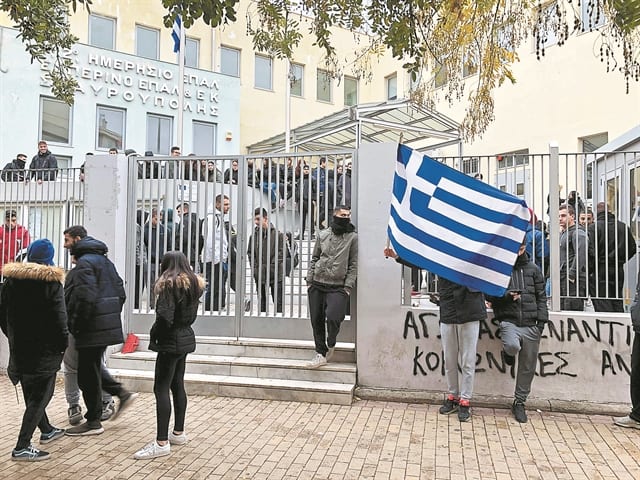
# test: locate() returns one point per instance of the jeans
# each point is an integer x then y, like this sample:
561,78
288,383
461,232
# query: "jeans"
523,342
268,187
216,292
459,343
169,375
330,305
70,371
37,391
93,378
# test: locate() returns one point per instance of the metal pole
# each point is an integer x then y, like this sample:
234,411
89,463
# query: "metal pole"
554,226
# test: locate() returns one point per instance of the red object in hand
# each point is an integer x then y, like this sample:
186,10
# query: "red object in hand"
131,343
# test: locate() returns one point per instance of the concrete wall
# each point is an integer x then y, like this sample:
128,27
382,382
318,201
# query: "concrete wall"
582,357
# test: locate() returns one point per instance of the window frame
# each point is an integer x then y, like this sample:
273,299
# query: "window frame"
124,126
226,48
262,57
41,133
585,17
328,79
296,80
138,28
170,139
113,21
387,83
195,41
515,158
215,137
357,90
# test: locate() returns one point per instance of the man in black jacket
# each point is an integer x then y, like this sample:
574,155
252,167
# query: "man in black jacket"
522,313
94,294
34,319
14,170
614,246
44,165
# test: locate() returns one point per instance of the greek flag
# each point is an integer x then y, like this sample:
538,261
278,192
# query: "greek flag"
175,34
452,225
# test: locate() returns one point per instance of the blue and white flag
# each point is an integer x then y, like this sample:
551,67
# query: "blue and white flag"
175,34
452,225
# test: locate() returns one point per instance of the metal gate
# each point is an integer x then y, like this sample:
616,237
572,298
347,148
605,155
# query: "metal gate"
181,204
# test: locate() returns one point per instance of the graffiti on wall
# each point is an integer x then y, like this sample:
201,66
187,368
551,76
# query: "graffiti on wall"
557,355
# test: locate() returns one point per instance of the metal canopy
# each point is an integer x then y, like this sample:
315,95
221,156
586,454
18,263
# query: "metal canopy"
391,121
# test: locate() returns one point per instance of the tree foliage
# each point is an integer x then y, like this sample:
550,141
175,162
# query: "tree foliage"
468,46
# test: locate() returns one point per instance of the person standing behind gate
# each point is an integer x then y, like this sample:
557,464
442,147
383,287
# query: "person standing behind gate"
154,234
34,319
614,246
330,281
266,254
94,294
178,290
13,238
215,254
188,238
44,165
522,313
573,258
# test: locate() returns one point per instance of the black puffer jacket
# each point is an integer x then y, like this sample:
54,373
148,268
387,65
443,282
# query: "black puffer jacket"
34,318
459,304
94,293
531,309
172,332
44,166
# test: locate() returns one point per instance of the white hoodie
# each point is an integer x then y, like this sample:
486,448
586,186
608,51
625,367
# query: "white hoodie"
216,244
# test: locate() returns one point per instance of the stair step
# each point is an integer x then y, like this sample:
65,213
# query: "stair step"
243,366
247,387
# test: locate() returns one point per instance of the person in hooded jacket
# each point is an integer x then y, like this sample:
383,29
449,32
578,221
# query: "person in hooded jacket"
94,295
522,313
178,291
44,165
14,170
305,198
34,319
330,280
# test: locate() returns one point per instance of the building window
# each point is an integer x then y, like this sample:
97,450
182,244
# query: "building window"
147,42
350,91
392,87
546,27
230,61
102,32
110,128
440,78
64,163
263,75
191,52
470,64
296,76
204,138
55,121
159,134
471,165
513,159
323,86
593,142
592,15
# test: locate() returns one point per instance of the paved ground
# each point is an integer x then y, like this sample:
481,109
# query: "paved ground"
234,438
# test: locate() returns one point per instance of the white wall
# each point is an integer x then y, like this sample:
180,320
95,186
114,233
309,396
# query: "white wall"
582,358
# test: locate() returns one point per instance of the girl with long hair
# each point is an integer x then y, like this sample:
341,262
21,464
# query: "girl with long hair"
178,291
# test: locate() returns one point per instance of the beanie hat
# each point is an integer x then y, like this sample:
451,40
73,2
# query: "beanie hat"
41,251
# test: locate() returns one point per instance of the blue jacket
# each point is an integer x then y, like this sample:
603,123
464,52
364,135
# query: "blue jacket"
535,237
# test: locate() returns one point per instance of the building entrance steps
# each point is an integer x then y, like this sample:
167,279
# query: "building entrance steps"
250,368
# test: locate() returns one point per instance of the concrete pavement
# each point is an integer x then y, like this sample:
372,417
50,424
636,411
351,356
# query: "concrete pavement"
233,438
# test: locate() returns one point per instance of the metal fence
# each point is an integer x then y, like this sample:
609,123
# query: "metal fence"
603,190
37,204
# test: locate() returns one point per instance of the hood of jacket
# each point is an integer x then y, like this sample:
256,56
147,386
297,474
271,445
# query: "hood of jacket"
182,283
522,260
33,271
89,245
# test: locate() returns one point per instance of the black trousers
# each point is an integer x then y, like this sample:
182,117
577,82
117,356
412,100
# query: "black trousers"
169,375
215,296
92,379
326,304
37,391
635,378
305,216
276,296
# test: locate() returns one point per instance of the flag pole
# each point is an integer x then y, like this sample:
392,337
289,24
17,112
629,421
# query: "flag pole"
181,87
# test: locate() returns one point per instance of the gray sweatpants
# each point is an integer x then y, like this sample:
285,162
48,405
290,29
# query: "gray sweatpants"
523,342
70,371
459,346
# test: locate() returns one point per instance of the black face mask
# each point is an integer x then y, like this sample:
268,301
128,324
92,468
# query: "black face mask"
339,225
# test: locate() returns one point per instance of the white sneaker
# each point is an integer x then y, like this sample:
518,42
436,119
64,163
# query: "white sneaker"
317,361
153,450
330,353
177,439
